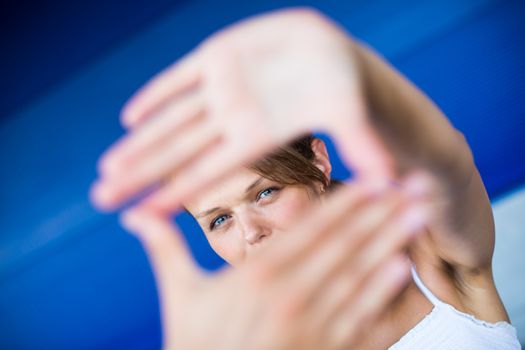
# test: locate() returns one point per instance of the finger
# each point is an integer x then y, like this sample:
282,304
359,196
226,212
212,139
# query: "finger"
197,176
166,123
174,270
164,246
375,296
155,166
391,238
345,245
178,78
363,150
310,232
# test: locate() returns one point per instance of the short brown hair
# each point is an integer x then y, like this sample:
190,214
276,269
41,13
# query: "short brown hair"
293,164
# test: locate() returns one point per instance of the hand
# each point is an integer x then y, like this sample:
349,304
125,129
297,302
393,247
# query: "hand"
245,90
317,287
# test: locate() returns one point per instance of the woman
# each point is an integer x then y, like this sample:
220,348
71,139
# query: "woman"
305,277
265,81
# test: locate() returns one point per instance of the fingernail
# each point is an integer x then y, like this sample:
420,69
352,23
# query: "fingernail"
417,185
112,163
103,166
376,186
400,268
415,218
131,221
101,196
128,115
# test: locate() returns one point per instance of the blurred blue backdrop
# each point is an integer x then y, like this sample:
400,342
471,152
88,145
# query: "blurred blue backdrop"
70,278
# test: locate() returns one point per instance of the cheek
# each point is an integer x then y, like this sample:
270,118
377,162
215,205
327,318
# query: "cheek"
228,247
288,208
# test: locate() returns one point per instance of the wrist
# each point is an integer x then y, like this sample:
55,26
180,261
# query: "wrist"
413,129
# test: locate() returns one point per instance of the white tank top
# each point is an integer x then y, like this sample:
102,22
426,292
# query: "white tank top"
447,328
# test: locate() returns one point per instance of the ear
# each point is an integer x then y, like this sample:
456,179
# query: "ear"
322,160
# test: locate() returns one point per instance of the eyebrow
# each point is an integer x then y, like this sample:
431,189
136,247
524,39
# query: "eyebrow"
213,210
207,212
255,183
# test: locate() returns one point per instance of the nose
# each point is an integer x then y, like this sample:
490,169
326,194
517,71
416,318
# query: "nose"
253,226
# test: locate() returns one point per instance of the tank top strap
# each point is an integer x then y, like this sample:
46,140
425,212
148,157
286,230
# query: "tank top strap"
426,292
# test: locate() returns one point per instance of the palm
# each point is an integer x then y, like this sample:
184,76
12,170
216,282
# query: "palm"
244,91
272,80
295,78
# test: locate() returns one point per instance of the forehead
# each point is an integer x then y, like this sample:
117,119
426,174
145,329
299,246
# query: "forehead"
226,191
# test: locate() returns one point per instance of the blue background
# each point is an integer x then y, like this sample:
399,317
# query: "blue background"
70,278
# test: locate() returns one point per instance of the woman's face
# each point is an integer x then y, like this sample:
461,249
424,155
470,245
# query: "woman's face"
241,214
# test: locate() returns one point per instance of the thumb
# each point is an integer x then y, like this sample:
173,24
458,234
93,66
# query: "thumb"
363,151
168,254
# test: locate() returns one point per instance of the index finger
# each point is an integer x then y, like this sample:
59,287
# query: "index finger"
172,81
164,246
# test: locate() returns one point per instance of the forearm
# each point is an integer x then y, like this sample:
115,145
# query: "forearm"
420,137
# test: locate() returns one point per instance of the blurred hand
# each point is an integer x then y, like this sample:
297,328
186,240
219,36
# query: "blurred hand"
245,90
318,287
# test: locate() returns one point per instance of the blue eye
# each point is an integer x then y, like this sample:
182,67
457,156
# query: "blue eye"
218,221
267,192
